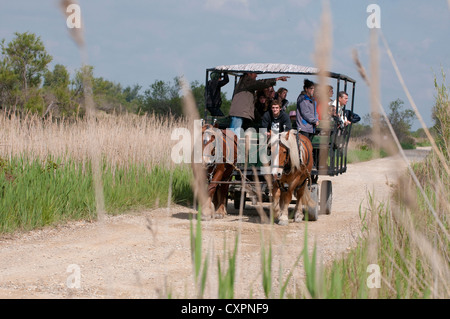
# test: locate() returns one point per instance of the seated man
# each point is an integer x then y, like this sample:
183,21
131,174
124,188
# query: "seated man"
339,109
276,120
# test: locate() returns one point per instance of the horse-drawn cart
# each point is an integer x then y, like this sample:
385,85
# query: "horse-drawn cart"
251,179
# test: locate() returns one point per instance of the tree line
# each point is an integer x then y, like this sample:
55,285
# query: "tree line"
28,85
401,120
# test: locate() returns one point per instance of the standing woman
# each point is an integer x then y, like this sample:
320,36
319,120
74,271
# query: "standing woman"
307,117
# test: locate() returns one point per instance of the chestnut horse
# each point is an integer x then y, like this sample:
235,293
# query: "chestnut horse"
219,149
292,162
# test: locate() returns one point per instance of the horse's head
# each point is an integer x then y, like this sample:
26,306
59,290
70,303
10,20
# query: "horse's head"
207,134
214,145
284,154
208,143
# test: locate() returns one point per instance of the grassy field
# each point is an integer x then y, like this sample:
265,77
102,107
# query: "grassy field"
361,152
36,194
46,174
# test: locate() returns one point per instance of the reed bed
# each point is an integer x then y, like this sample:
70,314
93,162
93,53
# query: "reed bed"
123,140
411,248
407,236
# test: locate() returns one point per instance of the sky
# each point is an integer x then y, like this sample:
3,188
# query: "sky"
139,42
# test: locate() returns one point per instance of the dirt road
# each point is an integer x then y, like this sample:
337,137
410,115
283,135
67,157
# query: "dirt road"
147,254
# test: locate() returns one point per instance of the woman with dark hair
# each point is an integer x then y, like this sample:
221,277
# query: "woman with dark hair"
307,117
260,106
281,97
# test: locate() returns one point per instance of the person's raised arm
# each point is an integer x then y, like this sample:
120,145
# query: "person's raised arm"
225,80
283,78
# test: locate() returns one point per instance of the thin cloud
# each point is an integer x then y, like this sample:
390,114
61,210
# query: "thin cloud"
249,49
236,8
300,3
220,4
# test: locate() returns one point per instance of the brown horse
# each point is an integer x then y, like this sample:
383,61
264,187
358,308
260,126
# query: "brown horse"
292,162
219,149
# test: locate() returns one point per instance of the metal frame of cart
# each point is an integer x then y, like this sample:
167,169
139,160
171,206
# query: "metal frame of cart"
334,142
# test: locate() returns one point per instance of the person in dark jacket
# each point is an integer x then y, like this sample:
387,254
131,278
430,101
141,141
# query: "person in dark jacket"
276,120
213,97
260,108
307,117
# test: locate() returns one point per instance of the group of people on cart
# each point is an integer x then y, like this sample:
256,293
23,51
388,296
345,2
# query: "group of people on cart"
256,104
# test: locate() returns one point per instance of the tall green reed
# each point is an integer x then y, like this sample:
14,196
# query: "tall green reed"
227,277
200,264
35,194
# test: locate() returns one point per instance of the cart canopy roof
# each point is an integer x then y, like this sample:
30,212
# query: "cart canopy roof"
276,68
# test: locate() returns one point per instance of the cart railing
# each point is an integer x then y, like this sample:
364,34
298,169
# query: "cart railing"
334,142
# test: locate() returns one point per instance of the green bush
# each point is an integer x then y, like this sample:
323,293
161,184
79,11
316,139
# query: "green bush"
408,143
35,103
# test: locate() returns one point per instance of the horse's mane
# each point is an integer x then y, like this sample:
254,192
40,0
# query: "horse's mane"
291,144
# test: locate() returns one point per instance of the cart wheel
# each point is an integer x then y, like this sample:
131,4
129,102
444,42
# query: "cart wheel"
313,211
237,200
326,197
